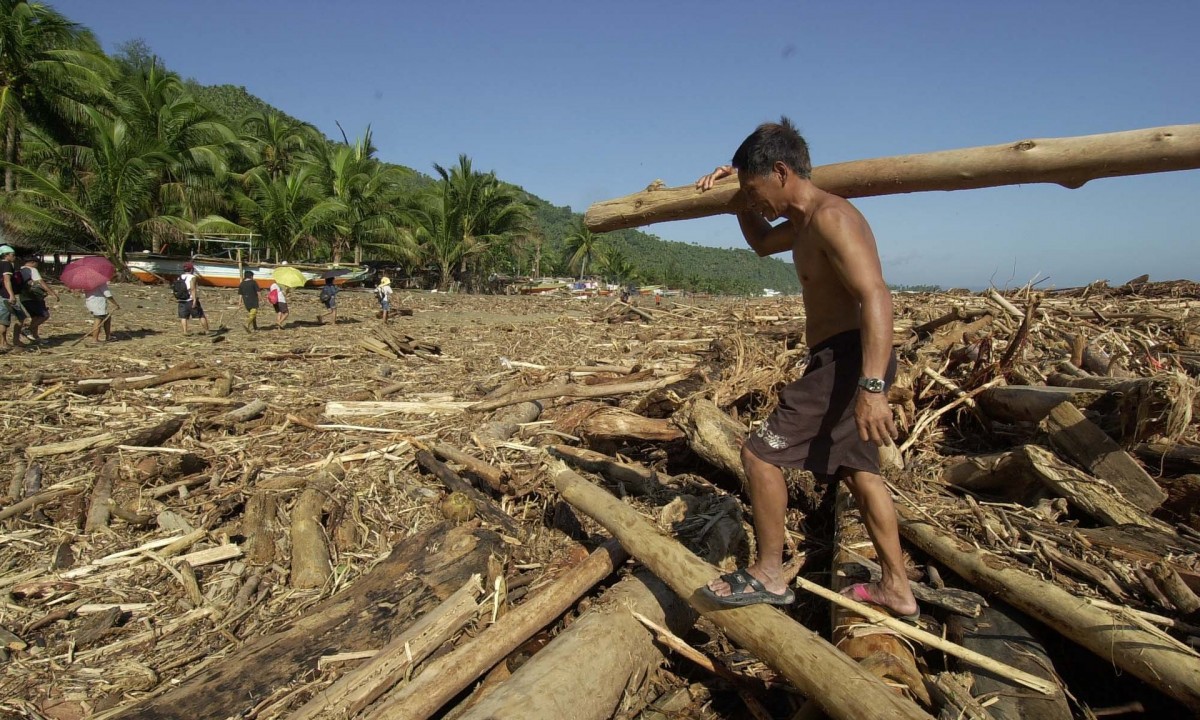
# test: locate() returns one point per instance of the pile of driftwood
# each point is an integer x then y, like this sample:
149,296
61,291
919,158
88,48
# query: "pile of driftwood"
510,519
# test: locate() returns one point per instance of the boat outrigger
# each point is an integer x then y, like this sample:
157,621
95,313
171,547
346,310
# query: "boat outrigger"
233,257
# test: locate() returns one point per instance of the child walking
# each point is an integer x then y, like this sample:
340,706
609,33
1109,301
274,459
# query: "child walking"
329,300
383,294
97,302
278,300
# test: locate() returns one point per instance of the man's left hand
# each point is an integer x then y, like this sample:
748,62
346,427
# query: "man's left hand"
874,418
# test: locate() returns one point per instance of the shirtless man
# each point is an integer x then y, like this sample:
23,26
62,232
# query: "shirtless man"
832,420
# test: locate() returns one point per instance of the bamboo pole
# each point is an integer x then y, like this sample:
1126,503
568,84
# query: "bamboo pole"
843,690
1067,161
1143,654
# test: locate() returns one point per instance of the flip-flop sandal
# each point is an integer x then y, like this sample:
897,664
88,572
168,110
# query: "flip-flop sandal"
738,596
861,593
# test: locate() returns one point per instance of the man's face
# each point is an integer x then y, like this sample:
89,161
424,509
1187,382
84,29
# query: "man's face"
764,193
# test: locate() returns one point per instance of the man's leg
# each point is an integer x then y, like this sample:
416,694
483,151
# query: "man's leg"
879,517
4,334
768,498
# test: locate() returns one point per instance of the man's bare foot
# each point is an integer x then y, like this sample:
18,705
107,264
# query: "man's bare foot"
900,602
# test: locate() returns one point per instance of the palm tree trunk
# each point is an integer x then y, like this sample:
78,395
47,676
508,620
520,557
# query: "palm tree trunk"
10,153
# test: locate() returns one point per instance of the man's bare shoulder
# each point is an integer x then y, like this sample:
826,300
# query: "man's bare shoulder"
835,216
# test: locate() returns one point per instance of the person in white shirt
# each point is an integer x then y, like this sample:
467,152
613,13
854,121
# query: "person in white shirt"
33,297
278,300
96,301
383,294
191,307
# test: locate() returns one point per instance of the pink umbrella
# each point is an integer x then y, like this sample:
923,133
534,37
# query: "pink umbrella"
87,273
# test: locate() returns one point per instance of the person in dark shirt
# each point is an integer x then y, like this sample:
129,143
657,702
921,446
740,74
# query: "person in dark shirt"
248,289
11,310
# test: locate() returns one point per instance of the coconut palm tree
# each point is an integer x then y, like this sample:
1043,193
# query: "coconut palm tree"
99,194
276,143
584,247
617,266
289,213
50,69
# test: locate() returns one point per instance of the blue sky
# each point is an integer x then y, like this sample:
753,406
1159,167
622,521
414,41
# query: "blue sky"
579,102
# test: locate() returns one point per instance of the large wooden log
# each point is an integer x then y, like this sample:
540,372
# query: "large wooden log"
881,652
1029,403
842,689
712,434
1148,656
1087,445
310,549
422,571
1091,495
450,674
1069,161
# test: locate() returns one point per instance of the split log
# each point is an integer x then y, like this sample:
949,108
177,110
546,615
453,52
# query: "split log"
421,572
310,551
1028,403
1169,582
1155,660
449,675
1069,161
455,484
1091,495
1088,446
576,391
712,434
881,652
258,528
1145,406
619,425
360,687
843,690
1001,633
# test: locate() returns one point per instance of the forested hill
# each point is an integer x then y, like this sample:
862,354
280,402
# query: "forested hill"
658,261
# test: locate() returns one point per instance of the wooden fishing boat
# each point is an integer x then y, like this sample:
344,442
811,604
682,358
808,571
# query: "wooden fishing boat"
221,272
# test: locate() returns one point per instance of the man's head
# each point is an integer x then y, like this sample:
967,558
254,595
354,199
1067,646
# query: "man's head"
767,161
248,274
7,253
31,261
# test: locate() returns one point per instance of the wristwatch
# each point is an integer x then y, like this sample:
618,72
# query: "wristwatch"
872,385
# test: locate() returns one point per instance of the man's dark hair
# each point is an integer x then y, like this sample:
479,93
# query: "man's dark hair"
771,143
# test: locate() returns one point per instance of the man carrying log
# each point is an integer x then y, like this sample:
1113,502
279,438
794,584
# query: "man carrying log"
831,420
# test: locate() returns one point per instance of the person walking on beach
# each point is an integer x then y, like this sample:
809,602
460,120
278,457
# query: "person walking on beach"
248,289
831,420
11,311
278,300
329,300
97,303
383,294
33,297
191,307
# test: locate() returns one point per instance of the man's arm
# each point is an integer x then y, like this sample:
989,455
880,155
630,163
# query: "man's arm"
195,283
763,238
854,257
8,288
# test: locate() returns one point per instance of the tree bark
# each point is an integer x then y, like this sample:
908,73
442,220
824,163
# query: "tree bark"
713,435
843,690
1069,161
1147,656
422,571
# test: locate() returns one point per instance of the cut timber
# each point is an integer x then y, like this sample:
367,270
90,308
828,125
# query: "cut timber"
422,571
1155,660
1001,633
1146,406
247,412
1087,445
1028,403
891,658
450,674
576,391
1091,495
1172,459
310,551
1069,161
712,434
842,689
618,424
360,687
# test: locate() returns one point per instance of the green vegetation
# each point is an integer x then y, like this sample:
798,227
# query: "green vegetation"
116,153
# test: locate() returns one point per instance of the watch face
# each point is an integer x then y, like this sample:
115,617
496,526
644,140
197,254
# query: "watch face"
874,385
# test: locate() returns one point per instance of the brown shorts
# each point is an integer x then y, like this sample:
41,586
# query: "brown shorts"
813,428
